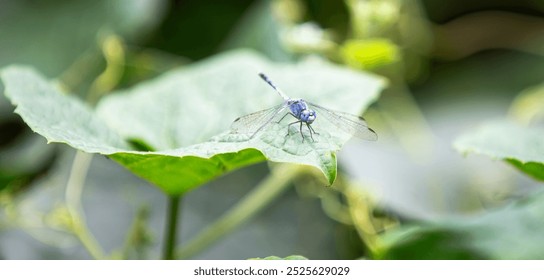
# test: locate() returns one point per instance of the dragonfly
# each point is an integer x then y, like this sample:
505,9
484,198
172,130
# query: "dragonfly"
305,113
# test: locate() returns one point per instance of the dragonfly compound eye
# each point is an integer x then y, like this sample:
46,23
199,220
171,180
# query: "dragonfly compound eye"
311,116
307,116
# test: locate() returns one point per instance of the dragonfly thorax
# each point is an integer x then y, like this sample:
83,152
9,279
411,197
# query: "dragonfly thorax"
300,110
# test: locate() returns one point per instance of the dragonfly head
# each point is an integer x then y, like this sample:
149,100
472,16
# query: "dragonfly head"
307,116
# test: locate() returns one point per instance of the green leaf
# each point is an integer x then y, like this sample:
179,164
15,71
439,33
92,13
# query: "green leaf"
185,115
57,117
523,147
292,257
514,232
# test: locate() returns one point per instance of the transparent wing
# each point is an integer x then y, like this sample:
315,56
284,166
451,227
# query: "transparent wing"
255,122
351,124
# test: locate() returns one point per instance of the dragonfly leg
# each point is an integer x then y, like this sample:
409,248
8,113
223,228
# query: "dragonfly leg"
302,134
311,129
286,114
289,127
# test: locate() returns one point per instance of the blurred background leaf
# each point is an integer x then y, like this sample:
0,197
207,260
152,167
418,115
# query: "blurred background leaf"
521,146
513,232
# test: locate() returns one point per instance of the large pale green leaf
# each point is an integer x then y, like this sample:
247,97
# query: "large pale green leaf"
183,117
521,146
514,232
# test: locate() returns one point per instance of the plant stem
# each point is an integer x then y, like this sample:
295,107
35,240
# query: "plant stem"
171,227
74,189
261,196
368,227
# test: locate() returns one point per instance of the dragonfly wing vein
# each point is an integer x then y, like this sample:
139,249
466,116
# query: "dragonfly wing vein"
255,122
351,124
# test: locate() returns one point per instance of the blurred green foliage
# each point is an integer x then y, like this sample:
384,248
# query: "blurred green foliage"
369,54
513,232
293,257
521,146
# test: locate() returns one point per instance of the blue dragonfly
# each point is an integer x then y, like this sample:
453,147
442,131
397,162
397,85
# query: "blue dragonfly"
305,114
